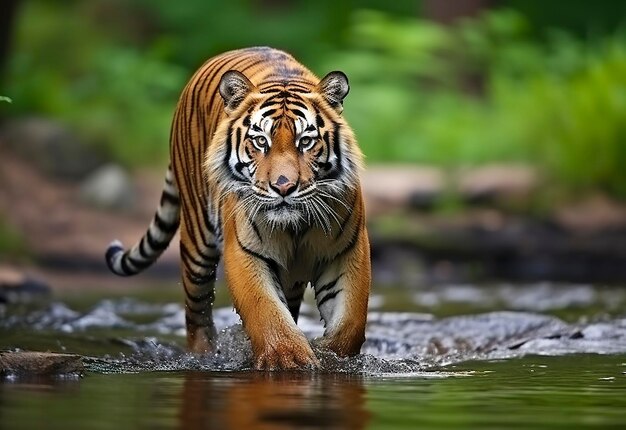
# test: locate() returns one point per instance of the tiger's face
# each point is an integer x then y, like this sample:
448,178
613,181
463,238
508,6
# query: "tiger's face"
288,153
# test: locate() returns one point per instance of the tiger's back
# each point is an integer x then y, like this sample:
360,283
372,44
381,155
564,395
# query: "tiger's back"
264,172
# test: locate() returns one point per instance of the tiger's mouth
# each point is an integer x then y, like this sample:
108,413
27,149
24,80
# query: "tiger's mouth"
283,213
280,205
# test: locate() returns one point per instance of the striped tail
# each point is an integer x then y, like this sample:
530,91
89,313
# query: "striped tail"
154,241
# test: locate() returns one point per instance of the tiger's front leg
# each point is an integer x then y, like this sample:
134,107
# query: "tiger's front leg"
342,293
252,278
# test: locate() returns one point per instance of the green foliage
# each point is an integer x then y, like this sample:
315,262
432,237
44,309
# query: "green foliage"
118,97
12,244
198,29
484,91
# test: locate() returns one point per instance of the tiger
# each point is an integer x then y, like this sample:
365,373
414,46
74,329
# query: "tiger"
264,173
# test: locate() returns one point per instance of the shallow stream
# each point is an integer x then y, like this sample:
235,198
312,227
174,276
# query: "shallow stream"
456,356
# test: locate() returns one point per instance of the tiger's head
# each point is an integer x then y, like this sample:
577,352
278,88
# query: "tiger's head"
285,150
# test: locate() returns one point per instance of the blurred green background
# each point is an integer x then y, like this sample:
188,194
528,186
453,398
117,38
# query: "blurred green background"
433,82
448,85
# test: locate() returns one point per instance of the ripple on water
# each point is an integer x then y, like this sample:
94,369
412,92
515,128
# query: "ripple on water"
397,343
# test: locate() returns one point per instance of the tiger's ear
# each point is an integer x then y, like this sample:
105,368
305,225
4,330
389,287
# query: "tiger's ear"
234,87
334,87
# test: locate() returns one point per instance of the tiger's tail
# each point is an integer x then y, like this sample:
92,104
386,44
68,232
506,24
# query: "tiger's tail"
156,239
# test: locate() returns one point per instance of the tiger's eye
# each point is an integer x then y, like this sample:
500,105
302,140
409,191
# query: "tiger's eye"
305,142
260,142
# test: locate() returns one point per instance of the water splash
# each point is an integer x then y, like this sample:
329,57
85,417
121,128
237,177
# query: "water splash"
397,343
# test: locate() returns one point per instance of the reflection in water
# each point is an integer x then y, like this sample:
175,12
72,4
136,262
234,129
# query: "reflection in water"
257,400
582,391
66,385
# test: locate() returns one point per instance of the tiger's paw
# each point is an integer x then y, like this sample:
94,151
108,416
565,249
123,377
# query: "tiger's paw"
286,355
200,339
343,346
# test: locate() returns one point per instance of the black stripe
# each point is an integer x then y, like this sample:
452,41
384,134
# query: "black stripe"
185,184
206,262
275,126
199,252
229,148
249,154
328,286
336,143
165,226
169,198
198,317
353,240
297,103
210,227
326,138
239,166
154,244
205,243
319,121
142,251
299,89
269,113
125,267
328,297
139,264
299,113
198,311
269,102
336,149
197,278
272,265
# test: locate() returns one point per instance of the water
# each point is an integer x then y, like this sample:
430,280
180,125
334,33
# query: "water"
556,357
580,391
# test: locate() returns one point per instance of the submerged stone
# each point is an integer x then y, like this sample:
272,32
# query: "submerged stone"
27,363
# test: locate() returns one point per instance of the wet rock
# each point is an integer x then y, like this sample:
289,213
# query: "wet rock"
109,187
395,342
517,248
51,147
28,363
17,287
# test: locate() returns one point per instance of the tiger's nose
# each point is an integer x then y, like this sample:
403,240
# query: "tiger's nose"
284,186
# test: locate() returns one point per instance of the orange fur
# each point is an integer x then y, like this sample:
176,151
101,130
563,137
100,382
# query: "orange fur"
266,171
